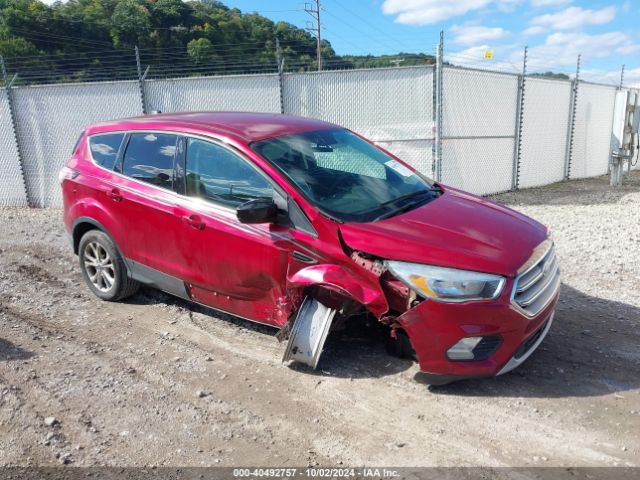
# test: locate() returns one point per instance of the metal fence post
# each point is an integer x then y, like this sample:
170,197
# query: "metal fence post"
438,108
14,127
517,141
572,121
434,120
141,79
280,60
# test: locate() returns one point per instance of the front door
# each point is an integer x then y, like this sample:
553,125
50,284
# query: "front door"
235,267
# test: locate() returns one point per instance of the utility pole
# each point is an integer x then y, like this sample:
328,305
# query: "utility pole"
315,28
622,77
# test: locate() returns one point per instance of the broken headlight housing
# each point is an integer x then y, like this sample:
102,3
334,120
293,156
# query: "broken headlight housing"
447,284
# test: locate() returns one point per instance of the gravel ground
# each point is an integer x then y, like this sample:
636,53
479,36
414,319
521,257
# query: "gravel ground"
156,381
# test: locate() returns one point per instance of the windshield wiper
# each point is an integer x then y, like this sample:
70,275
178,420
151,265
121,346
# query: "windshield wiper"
409,195
407,205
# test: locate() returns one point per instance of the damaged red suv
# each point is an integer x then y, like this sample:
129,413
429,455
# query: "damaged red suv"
301,224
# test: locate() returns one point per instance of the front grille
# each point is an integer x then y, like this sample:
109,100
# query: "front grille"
535,287
530,342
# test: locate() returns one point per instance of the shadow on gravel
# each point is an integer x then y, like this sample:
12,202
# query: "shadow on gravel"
358,351
592,349
151,296
587,191
9,351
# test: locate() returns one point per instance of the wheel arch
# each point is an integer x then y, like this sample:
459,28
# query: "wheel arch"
338,278
82,225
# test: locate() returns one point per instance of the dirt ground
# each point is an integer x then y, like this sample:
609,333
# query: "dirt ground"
158,381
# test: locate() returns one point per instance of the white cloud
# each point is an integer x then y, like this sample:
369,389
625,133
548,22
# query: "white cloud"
632,76
612,77
549,3
562,48
628,49
474,34
535,30
422,12
505,58
469,57
508,5
575,17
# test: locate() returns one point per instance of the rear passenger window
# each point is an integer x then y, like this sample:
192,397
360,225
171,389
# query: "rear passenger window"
149,158
104,148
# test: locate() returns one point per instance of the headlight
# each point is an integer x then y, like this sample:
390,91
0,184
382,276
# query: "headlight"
447,284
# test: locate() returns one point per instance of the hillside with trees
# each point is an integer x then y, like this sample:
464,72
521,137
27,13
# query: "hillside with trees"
94,40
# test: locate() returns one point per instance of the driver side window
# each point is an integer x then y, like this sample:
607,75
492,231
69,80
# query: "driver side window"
218,175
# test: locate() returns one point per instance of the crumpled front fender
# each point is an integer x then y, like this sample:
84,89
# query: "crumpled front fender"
360,289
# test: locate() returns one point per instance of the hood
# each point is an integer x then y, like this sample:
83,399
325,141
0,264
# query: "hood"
456,230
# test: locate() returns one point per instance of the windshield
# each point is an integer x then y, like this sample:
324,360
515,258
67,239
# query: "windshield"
346,177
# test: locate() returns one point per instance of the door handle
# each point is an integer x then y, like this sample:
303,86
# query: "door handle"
115,195
195,221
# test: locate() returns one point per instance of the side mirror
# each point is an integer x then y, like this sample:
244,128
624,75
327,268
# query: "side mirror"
260,210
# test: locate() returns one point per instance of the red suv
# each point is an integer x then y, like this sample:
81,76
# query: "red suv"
301,224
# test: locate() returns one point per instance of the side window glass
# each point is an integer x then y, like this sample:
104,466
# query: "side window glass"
218,175
149,158
104,148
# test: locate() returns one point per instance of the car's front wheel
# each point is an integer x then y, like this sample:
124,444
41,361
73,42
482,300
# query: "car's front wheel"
103,267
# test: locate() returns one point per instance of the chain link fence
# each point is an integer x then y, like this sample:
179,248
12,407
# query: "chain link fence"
49,119
391,106
13,192
478,129
593,126
251,93
497,132
545,126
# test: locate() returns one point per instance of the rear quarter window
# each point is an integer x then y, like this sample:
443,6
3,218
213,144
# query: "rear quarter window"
104,148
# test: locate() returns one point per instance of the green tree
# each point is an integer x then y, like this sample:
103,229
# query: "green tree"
130,24
201,51
17,47
76,40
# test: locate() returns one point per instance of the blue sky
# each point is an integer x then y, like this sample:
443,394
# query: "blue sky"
606,33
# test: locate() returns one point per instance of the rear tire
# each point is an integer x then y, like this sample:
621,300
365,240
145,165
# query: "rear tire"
103,267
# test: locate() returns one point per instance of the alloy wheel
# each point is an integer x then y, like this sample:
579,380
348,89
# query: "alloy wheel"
99,266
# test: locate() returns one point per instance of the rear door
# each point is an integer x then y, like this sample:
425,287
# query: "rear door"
145,202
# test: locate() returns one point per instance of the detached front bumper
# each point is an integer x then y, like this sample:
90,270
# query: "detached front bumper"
434,327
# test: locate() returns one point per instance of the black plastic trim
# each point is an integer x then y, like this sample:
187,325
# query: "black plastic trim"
157,279
438,380
95,223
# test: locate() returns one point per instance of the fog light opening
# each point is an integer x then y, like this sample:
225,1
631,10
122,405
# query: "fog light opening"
463,350
474,348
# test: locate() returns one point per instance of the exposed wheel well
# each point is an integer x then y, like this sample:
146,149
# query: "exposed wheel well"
80,229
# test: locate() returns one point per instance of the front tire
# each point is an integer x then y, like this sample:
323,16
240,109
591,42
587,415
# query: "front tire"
400,346
103,267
